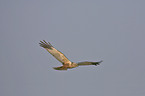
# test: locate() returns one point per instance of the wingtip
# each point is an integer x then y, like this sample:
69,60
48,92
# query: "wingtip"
100,61
97,63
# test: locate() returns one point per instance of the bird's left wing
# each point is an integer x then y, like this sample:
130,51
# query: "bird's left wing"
57,54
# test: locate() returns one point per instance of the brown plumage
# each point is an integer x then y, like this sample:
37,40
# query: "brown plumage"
67,64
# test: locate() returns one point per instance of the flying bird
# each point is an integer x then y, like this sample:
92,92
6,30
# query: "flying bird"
66,63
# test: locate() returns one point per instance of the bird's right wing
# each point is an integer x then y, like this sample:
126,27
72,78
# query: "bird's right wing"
89,63
57,54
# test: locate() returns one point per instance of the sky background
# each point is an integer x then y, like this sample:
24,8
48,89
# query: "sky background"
84,30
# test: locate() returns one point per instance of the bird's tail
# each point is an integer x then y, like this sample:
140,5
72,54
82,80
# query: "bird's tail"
60,68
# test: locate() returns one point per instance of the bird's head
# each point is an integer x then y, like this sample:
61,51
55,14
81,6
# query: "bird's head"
74,64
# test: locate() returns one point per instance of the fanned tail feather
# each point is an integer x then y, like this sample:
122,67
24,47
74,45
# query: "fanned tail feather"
60,68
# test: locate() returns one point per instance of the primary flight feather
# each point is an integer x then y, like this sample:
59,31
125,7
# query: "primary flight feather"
67,64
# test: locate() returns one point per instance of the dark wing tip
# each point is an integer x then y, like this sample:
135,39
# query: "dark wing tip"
97,63
44,44
100,61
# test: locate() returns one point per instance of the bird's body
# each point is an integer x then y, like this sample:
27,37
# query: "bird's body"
67,64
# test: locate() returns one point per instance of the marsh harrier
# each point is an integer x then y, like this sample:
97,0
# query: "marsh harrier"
67,64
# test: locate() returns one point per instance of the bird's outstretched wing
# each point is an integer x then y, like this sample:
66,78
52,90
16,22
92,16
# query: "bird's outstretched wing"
89,63
57,54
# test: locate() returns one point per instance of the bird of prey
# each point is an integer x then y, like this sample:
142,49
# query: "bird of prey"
67,64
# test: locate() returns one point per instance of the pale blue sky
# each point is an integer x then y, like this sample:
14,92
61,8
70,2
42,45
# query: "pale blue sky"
84,30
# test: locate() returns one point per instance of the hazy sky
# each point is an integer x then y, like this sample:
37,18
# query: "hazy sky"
84,30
